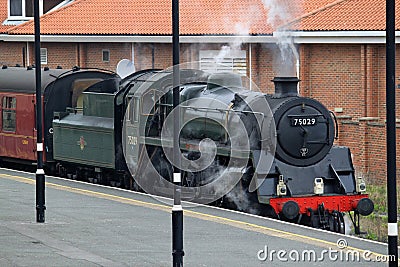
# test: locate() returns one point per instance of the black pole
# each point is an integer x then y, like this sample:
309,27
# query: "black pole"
391,131
40,183
177,211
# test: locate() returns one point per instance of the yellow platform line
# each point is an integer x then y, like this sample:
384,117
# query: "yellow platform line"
204,216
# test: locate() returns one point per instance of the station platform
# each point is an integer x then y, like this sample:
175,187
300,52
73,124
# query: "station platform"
92,225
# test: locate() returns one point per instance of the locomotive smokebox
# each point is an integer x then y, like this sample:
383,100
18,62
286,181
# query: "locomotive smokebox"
285,86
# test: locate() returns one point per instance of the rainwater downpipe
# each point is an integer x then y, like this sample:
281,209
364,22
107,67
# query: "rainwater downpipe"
133,54
298,74
152,55
250,67
27,54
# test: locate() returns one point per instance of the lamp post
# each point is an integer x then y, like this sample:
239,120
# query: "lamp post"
391,132
177,211
40,178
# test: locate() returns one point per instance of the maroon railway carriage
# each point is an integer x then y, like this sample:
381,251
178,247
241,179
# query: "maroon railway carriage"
60,89
18,135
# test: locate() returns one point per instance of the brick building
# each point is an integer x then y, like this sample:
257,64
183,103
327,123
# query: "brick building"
340,46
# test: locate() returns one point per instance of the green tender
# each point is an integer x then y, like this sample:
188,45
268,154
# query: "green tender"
86,140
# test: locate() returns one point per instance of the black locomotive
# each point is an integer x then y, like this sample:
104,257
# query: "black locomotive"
278,148
266,154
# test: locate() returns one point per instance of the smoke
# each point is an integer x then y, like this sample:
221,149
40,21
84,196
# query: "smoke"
285,64
241,199
240,27
198,161
223,53
238,197
279,14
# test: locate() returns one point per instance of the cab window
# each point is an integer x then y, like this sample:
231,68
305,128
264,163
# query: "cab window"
133,110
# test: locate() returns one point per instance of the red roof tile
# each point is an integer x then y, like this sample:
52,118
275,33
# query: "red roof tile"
311,5
153,17
3,16
206,17
346,15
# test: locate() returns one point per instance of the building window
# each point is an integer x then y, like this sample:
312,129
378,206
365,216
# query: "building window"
106,55
8,113
43,56
21,9
50,4
15,8
213,61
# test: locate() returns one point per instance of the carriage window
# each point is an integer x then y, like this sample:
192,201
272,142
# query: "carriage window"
8,113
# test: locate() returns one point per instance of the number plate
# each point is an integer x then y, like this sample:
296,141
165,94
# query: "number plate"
303,121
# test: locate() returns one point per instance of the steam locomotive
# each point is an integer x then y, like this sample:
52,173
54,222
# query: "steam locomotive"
266,154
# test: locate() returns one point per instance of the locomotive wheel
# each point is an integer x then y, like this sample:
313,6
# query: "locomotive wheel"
135,186
342,227
336,223
127,182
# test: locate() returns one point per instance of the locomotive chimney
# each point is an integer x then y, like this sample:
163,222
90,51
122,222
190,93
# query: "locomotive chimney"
286,86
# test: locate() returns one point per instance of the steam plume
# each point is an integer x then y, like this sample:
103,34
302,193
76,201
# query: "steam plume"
281,12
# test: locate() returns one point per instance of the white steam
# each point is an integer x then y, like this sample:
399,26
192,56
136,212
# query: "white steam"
223,53
241,29
280,13
238,195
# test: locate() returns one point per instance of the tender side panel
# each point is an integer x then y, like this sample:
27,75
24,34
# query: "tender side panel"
85,140
17,126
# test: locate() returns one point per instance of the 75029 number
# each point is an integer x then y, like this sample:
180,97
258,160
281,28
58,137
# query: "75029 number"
303,121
